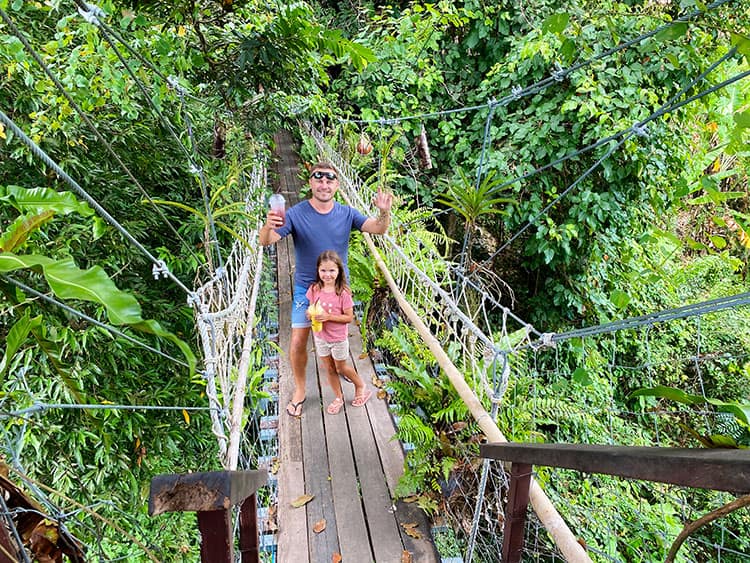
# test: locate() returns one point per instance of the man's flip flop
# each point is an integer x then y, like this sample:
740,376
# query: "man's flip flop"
294,408
360,400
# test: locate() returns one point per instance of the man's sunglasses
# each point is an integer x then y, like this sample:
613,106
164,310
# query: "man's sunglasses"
318,175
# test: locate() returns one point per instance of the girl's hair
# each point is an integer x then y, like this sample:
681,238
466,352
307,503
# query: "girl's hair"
332,256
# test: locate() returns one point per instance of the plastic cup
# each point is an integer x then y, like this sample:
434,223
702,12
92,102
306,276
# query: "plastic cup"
278,206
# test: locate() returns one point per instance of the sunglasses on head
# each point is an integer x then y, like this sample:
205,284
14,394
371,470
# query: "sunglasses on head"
318,175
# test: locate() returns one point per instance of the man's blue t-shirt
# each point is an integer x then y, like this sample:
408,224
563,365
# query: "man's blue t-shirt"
314,232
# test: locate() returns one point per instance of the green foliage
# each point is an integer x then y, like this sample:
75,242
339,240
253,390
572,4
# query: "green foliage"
67,281
431,416
563,248
736,426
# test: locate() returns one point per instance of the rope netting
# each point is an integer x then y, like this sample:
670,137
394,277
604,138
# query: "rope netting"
226,322
560,388
237,320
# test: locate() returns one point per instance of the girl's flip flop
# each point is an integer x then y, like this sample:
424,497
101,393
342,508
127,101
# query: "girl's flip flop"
360,400
335,406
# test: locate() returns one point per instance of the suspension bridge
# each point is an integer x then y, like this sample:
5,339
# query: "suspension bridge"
332,480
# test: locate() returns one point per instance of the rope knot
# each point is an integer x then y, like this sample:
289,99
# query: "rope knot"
516,92
492,103
559,73
640,130
194,168
91,14
160,270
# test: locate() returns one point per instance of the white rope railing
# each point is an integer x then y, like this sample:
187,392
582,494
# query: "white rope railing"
226,318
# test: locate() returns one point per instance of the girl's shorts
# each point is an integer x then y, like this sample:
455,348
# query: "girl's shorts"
339,350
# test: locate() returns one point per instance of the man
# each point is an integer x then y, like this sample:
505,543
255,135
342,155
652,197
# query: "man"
317,224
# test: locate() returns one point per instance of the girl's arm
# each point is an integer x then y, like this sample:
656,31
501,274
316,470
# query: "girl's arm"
345,317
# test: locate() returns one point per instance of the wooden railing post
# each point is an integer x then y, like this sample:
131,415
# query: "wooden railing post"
249,531
515,512
212,495
216,535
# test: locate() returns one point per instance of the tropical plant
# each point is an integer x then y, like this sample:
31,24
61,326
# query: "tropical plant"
474,201
730,427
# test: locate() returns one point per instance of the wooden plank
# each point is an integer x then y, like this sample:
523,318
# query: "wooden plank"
352,528
723,470
379,510
292,537
392,460
249,531
389,448
422,548
317,474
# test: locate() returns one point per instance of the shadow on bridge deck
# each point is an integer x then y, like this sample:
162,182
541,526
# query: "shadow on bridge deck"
348,462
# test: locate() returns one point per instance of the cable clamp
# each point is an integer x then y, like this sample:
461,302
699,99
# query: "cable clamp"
640,130
545,340
174,83
160,270
559,73
516,92
193,300
91,14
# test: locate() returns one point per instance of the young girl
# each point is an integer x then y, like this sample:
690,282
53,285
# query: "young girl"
334,298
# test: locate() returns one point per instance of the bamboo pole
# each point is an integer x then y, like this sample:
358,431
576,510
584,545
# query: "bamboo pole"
545,510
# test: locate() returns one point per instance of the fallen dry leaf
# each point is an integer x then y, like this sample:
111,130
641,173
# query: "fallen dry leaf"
409,529
275,466
336,558
319,526
406,557
412,533
376,381
363,355
302,501
412,498
458,426
382,394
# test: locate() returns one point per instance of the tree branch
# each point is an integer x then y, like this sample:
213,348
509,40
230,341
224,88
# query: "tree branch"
691,527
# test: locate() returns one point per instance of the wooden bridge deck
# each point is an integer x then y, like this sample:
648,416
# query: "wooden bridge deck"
349,462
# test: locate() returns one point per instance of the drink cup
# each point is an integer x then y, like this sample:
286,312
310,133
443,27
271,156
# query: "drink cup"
278,205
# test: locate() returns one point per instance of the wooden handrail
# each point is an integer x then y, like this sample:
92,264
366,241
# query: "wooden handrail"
716,469
212,495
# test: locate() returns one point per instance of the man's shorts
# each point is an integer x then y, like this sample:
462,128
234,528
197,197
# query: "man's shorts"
300,303
339,350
